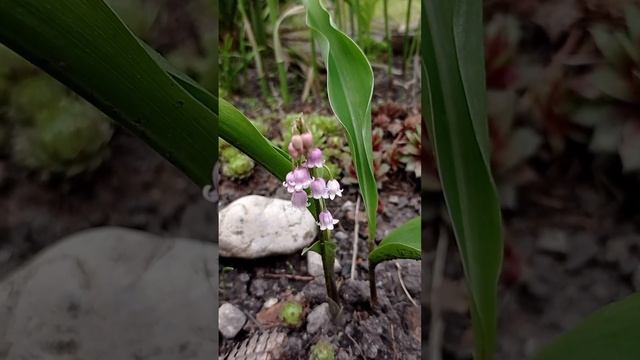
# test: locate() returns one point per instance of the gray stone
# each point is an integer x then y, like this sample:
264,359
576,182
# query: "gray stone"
318,317
340,235
355,291
315,291
112,293
230,320
257,226
314,264
553,241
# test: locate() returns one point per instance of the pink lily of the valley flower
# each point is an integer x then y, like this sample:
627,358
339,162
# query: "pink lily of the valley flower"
326,220
314,159
319,189
333,189
298,179
299,199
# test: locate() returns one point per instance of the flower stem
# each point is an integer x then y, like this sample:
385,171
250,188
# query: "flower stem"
327,252
328,256
372,277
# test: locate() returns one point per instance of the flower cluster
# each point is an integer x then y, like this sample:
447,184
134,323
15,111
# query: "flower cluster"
298,181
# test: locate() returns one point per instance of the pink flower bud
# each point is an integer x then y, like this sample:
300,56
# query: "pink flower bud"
319,188
299,199
314,159
296,142
307,140
333,189
326,221
293,152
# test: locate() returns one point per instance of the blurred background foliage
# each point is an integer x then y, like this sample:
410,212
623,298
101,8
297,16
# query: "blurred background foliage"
275,84
51,132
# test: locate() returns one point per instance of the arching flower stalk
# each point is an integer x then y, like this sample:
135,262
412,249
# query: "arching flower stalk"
305,183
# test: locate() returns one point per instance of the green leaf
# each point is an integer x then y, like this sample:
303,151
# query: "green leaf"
85,45
609,333
454,98
234,127
350,88
612,84
402,243
608,45
632,14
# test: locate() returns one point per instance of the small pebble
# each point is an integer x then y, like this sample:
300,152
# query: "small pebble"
230,320
314,264
269,303
355,292
318,318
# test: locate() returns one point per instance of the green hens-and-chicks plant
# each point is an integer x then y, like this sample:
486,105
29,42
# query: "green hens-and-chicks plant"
44,127
53,132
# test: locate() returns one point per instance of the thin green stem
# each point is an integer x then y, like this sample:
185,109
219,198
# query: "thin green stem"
405,43
352,19
314,65
371,241
327,252
387,39
339,13
256,50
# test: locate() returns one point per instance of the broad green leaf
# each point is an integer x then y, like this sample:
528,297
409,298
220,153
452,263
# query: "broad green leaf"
402,243
610,333
454,98
83,44
234,127
350,88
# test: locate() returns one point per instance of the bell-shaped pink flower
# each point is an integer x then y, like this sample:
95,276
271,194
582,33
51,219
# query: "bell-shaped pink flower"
290,182
302,178
333,189
299,199
314,159
326,221
319,189
307,140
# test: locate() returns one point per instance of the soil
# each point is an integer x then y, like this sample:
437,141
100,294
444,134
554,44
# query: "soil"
388,333
570,248
135,188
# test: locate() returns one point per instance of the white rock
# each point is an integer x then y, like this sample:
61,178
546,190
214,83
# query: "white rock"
257,226
318,318
314,264
112,293
230,320
270,302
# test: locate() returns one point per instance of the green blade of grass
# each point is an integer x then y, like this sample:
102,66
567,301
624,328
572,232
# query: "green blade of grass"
402,243
84,44
610,333
454,99
350,88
